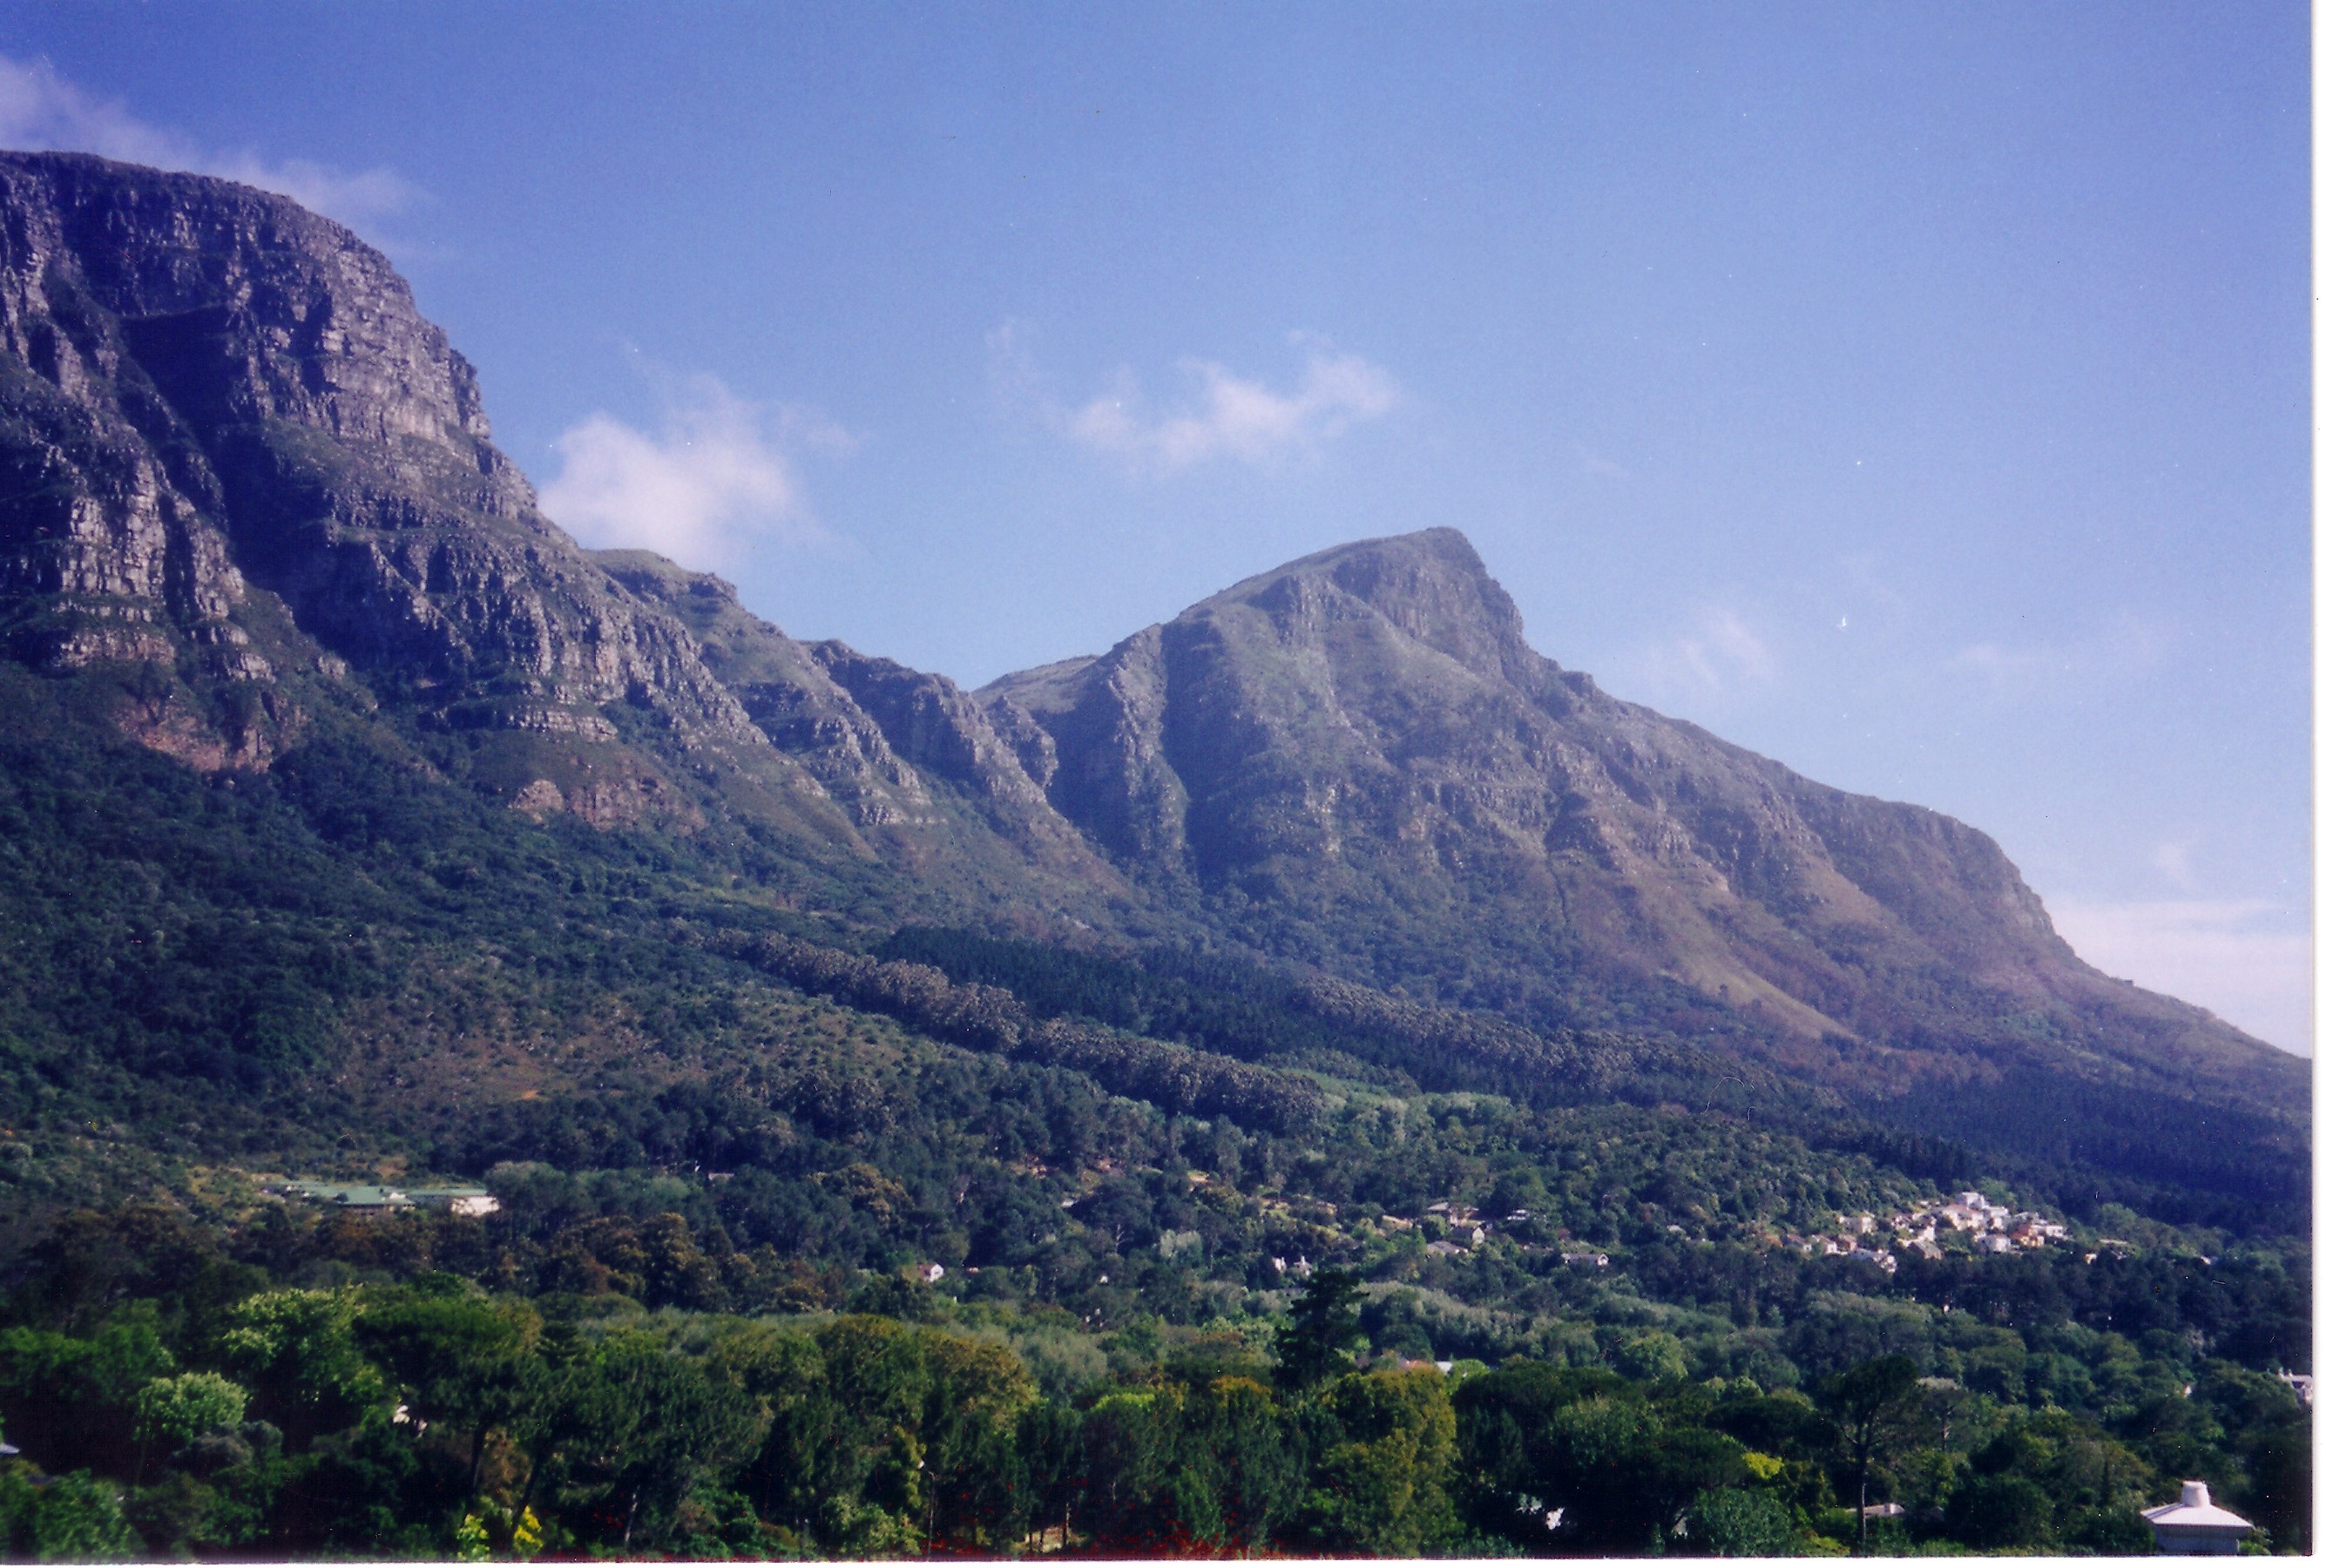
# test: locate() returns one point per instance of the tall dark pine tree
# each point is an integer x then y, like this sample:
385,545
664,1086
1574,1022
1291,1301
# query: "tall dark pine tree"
1324,1330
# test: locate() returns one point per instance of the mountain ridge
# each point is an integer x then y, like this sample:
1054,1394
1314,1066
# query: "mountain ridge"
238,454
247,493
1373,712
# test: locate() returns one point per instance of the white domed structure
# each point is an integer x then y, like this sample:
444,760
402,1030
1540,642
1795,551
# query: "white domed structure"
2194,1527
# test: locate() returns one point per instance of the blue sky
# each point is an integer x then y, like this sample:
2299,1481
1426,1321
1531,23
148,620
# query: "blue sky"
1916,394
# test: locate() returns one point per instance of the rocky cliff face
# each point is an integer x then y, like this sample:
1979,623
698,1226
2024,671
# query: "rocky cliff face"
211,387
233,454
208,390
900,750
1356,758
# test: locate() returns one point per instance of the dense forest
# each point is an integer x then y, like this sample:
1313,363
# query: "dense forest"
1234,1257
579,1375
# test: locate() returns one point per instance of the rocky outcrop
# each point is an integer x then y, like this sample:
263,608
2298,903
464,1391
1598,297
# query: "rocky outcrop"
1357,759
1109,777
916,761
783,689
982,754
207,390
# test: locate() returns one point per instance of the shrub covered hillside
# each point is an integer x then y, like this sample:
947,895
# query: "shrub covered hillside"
729,1123
587,1371
1319,1077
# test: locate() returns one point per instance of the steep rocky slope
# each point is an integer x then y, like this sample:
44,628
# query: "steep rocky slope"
211,390
1357,759
903,750
234,456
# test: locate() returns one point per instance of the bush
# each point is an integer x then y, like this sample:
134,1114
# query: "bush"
183,1407
1651,1357
1992,1511
1738,1522
74,1518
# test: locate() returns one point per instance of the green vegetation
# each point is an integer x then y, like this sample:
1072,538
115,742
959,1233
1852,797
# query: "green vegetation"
733,1112
278,1380
2062,1141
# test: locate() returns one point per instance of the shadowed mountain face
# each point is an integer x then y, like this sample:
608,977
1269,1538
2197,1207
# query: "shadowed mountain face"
233,455
246,490
920,766
1356,758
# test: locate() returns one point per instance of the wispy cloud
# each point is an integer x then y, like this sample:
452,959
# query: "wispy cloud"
41,111
2243,958
2172,857
1221,415
1597,467
717,477
1719,654
2066,667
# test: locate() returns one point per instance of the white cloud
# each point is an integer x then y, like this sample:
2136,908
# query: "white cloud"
1719,655
716,479
41,111
2238,957
2172,857
1597,467
1233,416
2070,668
1221,415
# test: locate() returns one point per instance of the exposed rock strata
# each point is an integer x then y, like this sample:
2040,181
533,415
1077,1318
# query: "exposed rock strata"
213,385
910,755
232,451
1357,756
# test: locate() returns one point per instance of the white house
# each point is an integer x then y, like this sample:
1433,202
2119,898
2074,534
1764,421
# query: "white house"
2194,1527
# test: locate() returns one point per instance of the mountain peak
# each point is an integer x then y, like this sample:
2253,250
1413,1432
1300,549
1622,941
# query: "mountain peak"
1431,585
1365,728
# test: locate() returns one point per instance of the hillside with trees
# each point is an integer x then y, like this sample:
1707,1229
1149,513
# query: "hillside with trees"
1255,1091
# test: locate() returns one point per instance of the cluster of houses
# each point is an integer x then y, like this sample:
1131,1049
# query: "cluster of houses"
1990,1226
379,1198
1467,1228
1987,1226
1458,1219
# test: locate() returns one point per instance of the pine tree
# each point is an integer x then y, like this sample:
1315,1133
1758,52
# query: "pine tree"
1323,1332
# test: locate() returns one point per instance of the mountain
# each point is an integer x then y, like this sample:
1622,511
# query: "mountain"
357,825
1356,760
235,456
251,523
